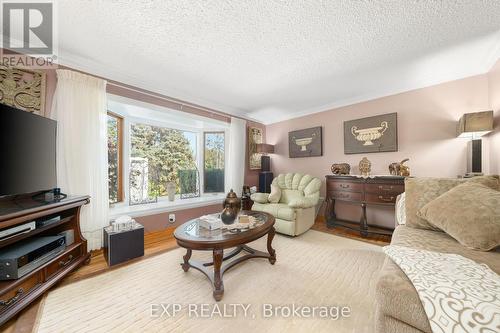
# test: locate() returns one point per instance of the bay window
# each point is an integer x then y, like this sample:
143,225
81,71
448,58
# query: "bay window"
162,147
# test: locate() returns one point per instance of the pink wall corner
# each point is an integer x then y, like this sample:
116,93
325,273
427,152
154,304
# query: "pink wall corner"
427,121
494,137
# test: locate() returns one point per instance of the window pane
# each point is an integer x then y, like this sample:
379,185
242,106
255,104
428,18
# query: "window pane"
157,154
113,163
214,162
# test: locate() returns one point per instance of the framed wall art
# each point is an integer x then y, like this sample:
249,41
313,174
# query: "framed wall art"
371,135
306,142
254,137
23,89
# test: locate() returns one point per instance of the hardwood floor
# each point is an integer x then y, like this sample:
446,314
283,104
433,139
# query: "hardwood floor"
320,225
154,243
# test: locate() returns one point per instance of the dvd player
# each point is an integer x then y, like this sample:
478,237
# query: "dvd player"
17,230
23,257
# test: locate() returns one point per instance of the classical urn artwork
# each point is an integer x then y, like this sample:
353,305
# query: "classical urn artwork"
306,143
365,167
367,135
371,135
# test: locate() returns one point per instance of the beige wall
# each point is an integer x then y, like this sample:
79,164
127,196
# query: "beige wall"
427,121
494,138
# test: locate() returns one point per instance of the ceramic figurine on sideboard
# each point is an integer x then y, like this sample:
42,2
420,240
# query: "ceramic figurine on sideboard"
365,167
341,168
399,169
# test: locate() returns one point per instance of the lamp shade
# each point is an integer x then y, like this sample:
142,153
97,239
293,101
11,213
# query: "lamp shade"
474,125
264,148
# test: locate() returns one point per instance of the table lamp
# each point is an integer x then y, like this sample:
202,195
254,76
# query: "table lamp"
474,126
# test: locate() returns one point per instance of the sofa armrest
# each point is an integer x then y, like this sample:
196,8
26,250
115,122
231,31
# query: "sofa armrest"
260,197
301,203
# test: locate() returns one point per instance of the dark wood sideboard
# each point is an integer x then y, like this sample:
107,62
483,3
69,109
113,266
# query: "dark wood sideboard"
361,191
17,294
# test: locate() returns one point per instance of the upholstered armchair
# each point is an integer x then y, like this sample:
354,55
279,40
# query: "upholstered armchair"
292,202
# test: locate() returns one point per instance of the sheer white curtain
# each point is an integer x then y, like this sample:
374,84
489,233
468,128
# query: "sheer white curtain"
236,156
82,159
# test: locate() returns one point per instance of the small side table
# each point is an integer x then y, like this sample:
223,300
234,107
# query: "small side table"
122,245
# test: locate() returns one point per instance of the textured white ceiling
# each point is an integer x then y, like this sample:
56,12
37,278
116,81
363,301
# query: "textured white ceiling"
272,60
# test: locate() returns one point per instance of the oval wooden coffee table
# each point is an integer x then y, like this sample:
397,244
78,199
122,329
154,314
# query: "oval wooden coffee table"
192,236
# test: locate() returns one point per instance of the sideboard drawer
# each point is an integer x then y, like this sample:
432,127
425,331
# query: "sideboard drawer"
347,196
389,198
384,189
13,295
345,186
63,261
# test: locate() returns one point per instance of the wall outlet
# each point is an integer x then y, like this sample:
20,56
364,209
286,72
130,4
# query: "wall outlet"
171,218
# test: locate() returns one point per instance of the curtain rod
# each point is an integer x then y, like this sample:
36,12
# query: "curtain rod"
173,100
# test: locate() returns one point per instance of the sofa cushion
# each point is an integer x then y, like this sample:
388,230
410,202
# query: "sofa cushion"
395,294
420,191
275,195
278,210
470,213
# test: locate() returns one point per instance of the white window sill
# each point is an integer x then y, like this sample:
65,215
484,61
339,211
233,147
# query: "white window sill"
163,206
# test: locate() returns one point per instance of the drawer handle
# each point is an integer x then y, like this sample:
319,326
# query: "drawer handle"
345,185
64,263
343,195
14,299
386,199
385,188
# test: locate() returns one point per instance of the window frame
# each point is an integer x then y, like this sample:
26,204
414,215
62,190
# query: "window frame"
154,115
120,144
221,131
144,121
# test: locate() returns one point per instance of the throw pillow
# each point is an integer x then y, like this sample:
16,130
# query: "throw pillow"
275,195
420,191
470,213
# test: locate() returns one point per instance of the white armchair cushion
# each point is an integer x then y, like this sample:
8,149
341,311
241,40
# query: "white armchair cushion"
275,195
278,210
302,203
260,197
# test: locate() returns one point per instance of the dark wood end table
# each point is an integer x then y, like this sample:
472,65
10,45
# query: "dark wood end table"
192,236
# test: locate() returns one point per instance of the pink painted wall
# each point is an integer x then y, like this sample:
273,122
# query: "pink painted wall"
427,121
494,138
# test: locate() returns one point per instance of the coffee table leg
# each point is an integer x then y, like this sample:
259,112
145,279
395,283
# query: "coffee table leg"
218,284
187,256
272,252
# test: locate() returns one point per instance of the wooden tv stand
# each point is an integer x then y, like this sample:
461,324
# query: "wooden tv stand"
15,295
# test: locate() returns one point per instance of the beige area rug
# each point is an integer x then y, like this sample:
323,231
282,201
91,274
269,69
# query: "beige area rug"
315,269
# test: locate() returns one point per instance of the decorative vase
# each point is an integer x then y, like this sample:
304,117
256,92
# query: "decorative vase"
228,215
233,201
365,166
171,191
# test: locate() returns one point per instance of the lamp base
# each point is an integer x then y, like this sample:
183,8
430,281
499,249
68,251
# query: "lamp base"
265,163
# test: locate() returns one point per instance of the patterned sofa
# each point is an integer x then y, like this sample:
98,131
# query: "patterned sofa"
295,209
399,309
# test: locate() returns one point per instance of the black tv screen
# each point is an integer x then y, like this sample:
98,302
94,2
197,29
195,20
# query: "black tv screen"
27,152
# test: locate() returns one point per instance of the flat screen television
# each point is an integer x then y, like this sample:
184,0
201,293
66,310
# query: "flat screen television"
27,152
